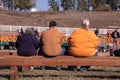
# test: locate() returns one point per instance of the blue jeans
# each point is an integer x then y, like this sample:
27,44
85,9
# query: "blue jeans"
63,51
87,67
40,52
82,67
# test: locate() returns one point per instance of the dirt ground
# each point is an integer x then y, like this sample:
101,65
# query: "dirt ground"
95,73
64,19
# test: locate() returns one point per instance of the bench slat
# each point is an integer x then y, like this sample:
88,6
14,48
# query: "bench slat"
60,60
14,61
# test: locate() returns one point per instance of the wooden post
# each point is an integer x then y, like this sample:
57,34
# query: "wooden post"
13,73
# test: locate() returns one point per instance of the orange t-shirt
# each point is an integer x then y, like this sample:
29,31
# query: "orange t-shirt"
83,43
52,40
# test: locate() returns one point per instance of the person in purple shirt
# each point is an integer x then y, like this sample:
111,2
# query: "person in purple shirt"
27,44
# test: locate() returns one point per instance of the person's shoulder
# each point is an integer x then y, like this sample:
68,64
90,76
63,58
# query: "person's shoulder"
57,31
77,30
91,30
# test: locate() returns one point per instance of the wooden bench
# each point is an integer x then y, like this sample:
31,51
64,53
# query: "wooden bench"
14,61
7,53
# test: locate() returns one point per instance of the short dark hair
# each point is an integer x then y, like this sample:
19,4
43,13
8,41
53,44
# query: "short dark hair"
52,24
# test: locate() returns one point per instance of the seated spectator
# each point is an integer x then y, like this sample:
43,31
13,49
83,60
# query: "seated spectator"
103,42
97,32
109,41
51,41
36,33
115,35
27,44
83,42
116,53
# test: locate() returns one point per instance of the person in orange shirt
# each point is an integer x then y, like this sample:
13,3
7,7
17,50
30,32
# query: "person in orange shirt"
83,42
109,40
51,41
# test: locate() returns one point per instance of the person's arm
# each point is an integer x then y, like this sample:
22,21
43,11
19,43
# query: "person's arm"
95,40
16,43
40,40
36,42
112,35
118,34
62,38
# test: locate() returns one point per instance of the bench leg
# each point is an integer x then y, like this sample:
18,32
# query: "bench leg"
13,73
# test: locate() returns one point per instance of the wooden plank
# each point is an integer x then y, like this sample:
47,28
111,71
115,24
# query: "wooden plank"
59,57
55,61
60,60
13,73
7,53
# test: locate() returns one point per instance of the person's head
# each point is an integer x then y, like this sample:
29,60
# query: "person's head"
115,30
85,23
52,24
29,31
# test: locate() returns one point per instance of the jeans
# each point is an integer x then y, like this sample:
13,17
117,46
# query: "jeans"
87,67
40,52
63,51
82,67
115,44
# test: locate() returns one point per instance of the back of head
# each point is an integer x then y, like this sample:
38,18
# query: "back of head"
85,22
52,24
29,31
116,30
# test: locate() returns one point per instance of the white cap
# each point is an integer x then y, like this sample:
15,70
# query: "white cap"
86,22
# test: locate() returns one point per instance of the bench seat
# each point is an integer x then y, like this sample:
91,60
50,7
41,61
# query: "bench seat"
59,60
13,61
